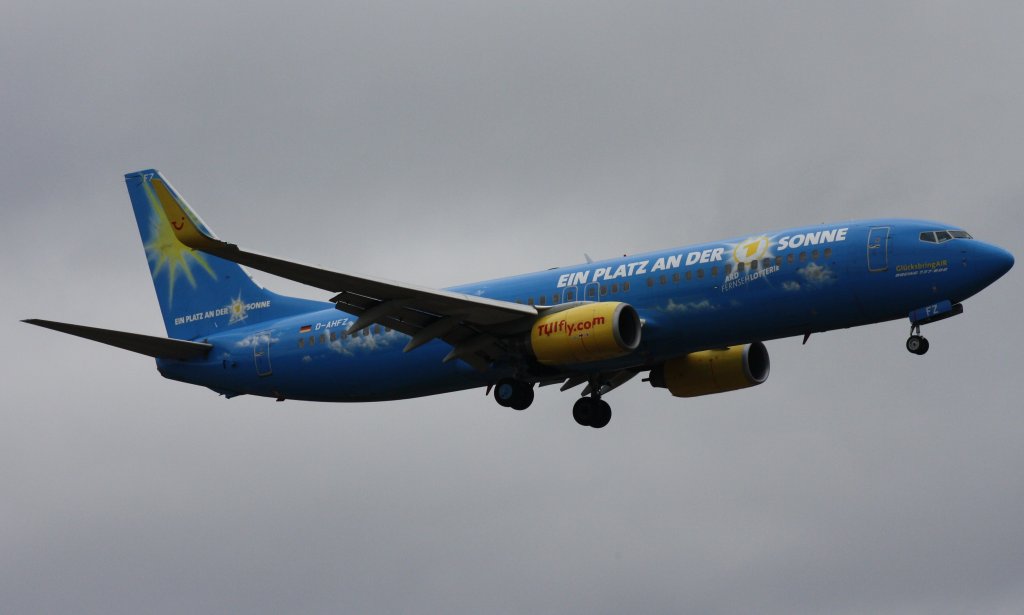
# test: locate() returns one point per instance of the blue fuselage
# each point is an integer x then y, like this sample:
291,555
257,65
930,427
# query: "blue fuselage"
755,288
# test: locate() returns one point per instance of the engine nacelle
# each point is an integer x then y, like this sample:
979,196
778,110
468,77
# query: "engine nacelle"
585,333
713,371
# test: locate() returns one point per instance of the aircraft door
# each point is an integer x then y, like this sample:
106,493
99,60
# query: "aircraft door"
569,294
878,248
261,353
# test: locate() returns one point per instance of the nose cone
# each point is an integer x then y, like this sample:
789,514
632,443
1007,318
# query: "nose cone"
994,260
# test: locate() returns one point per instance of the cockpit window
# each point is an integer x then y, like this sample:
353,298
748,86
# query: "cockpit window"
943,236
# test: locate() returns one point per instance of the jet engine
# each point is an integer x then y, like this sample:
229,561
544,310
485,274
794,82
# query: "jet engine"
585,333
713,371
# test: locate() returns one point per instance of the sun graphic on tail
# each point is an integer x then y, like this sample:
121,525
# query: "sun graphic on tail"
166,254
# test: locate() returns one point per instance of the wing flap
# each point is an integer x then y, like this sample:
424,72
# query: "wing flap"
158,347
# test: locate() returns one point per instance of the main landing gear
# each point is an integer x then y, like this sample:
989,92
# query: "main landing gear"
514,394
916,343
589,411
592,412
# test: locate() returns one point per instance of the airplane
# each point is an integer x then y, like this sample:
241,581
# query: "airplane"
694,318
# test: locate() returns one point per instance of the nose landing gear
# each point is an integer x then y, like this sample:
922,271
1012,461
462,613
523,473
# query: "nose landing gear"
916,343
935,312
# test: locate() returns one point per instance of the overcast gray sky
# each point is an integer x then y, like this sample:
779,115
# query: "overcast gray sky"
438,143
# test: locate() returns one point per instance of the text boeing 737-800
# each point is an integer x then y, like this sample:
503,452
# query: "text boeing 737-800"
695,318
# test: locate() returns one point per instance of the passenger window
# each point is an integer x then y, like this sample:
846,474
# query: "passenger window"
554,299
828,253
766,263
333,336
928,236
675,277
312,340
625,286
778,261
714,271
700,274
529,301
540,300
814,255
302,342
943,236
662,279
615,288
728,269
689,275
604,290
753,265
789,258
323,338
376,329
570,294
366,332
803,257
591,292
741,267
650,282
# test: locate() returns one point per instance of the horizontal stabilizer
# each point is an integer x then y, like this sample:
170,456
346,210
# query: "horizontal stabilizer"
159,347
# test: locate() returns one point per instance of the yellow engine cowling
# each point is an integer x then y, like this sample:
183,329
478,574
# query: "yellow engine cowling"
713,371
585,333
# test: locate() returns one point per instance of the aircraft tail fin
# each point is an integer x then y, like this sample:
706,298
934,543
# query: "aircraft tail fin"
198,293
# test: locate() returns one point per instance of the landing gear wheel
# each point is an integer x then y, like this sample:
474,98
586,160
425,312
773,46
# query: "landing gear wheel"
582,411
523,397
917,344
504,392
591,412
515,394
601,414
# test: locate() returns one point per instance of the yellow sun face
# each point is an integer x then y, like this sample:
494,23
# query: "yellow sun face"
166,253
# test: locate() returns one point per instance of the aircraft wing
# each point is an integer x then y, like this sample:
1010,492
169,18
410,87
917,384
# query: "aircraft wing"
159,347
469,323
